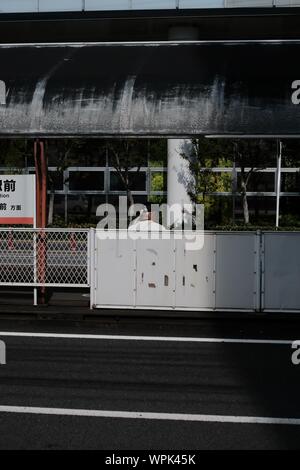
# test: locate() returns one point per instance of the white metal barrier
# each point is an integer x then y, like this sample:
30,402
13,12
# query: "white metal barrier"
281,271
48,257
22,6
236,271
164,274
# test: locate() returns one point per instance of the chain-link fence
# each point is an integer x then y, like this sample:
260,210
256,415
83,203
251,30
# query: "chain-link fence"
49,257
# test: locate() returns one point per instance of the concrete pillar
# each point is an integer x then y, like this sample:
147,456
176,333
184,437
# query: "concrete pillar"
180,179
179,176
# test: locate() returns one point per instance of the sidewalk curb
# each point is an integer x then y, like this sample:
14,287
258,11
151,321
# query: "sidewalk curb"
84,314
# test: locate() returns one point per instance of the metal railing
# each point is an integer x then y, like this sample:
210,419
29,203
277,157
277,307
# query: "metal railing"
48,257
19,6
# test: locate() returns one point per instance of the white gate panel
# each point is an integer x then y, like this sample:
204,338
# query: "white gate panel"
281,278
155,273
18,6
60,5
236,271
153,4
95,5
195,276
115,267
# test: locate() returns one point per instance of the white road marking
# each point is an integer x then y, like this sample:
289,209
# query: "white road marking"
149,43
177,339
149,416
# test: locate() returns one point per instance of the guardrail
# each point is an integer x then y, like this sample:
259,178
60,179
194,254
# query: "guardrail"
23,6
234,271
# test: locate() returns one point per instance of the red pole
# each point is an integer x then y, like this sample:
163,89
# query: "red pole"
43,214
38,184
44,169
41,210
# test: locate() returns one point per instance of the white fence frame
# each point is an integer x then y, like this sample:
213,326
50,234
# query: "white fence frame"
249,267
235,283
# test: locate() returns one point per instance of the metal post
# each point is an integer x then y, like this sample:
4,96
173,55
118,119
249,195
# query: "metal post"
66,192
258,270
91,265
35,291
106,175
44,168
278,181
234,189
41,195
38,184
37,213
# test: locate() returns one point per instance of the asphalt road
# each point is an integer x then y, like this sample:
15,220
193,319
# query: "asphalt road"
185,378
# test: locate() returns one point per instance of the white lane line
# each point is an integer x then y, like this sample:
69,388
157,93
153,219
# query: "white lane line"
146,338
149,416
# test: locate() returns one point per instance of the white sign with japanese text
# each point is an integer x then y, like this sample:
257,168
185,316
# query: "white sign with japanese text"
17,199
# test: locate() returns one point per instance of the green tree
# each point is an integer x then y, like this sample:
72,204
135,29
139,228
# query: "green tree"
127,155
291,153
158,153
203,155
157,184
14,153
251,156
62,153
